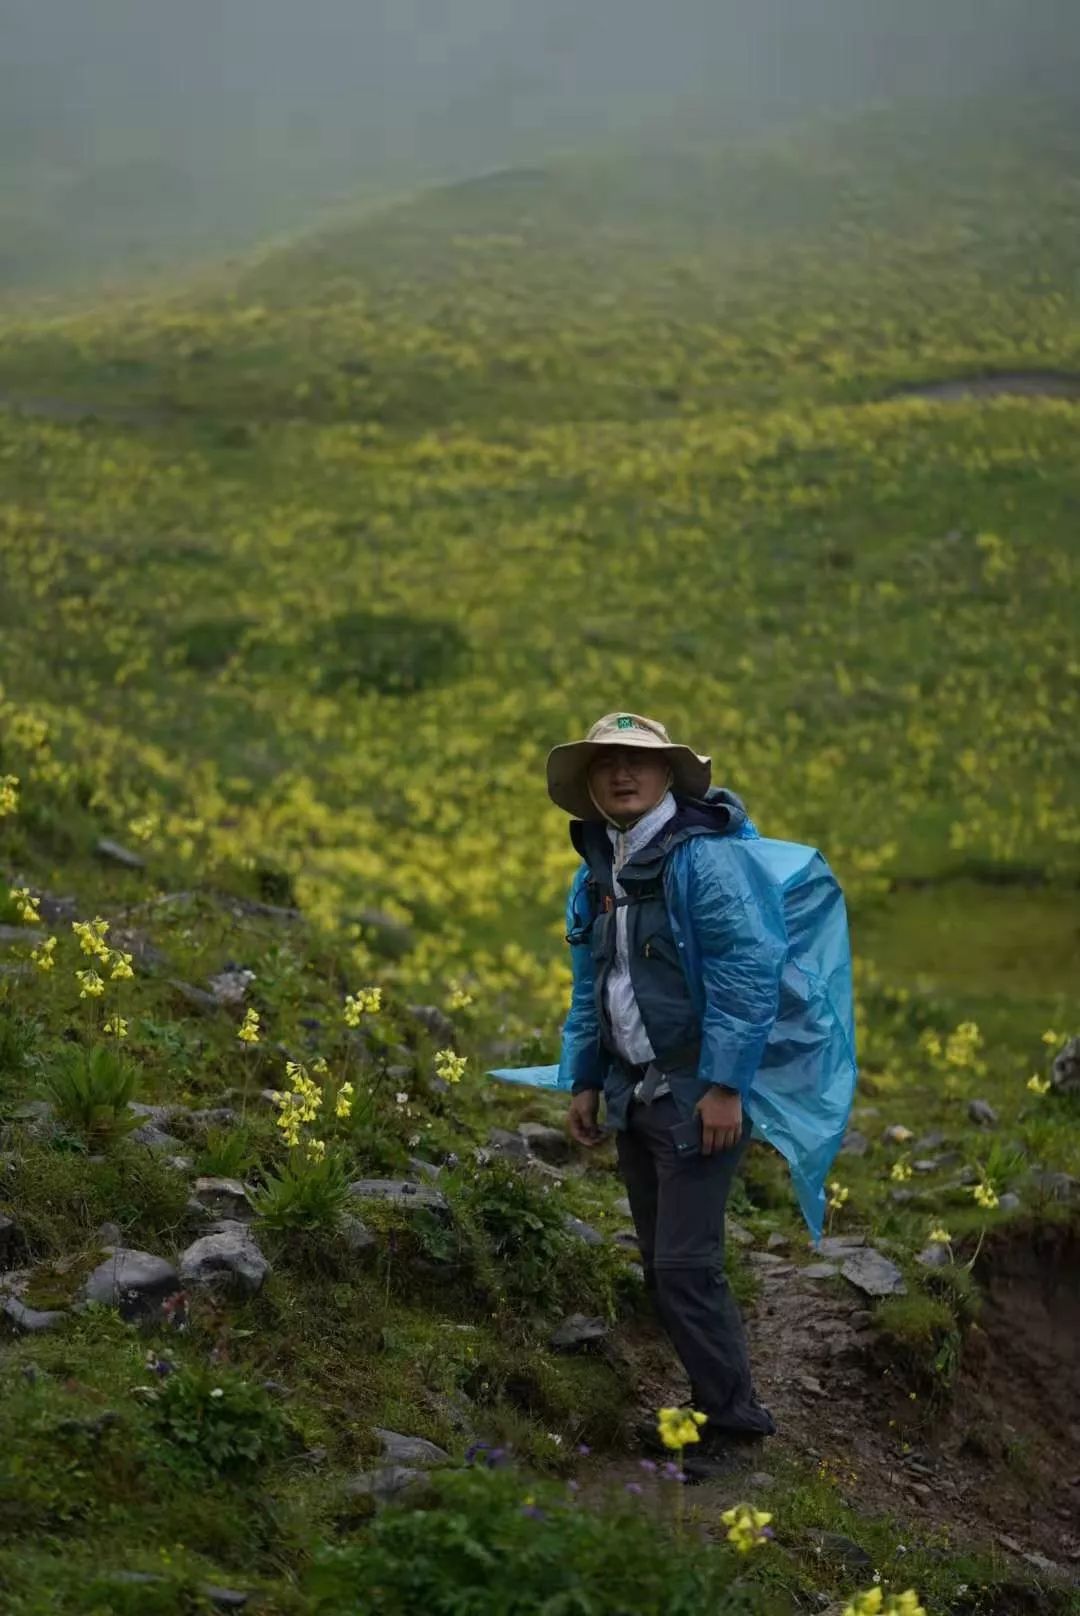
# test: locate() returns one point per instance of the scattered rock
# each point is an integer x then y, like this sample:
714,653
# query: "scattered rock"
871,1271
436,1022
578,1331
766,1259
224,1598
1009,1202
1065,1071
819,1270
584,1231
501,1142
927,1164
229,987
228,1260
902,1197
178,1164
896,1134
134,1282
222,1198
982,1113
28,1320
21,934
855,1143
108,1235
625,1210
197,998
114,853
811,1384
777,1242
1056,1186
152,1137
212,1116
424,1169
162,1115
400,1192
930,1141
733,1231
385,1483
851,1555
760,1480
410,1450
550,1144
627,1240
934,1255
355,1234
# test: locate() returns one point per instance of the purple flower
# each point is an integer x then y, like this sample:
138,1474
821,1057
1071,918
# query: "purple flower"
584,1449
634,1487
647,1464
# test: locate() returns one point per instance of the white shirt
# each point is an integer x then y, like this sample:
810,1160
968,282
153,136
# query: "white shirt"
627,1028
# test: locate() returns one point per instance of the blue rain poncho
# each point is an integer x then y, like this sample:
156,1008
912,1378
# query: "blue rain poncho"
743,908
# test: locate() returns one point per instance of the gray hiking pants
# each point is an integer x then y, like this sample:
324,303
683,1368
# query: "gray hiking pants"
678,1200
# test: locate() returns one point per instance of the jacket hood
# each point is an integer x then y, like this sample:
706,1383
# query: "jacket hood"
719,812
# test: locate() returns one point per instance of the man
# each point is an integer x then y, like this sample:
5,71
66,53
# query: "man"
711,998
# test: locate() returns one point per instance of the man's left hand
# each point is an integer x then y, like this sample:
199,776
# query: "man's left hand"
720,1111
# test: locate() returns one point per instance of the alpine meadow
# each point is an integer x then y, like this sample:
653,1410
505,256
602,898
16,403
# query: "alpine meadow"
307,559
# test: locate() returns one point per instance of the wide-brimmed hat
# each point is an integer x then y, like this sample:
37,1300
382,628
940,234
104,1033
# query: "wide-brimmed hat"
568,765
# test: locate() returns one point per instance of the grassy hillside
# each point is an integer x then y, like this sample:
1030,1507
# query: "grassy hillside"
300,577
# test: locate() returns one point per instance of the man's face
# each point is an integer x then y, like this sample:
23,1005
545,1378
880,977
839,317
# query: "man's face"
626,781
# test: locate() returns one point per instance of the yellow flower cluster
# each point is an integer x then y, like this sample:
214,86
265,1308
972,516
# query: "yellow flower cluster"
343,1102
460,998
449,1066
249,1028
91,985
299,1105
839,1195
939,1236
963,1044
1038,1085
9,794
364,1002
873,1603
42,955
985,1195
678,1427
747,1527
900,1171
116,1027
91,935
26,905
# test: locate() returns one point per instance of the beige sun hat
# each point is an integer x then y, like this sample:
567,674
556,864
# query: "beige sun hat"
568,765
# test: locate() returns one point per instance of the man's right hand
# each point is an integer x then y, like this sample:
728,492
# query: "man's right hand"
582,1118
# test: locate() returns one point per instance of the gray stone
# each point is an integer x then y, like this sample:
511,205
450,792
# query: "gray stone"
222,1198
871,1271
855,1143
926,1164
385,1483
501,1142
108,1234
777,1242
152,1137
178,1164
399,1192
197,998
424,1169
550,1144
625,1210
819,1270
982,1113
115,853
760,1480
229,987
766,1259
1009,1202
627,1240
355,1234
28,1320
577,1331
852,1556
134,1282
896,1134
930,1141
935,1255
583,1231
224,1598
21,934
213,1116
1056,1186
435,1022
160,1114
1065,1071
227,1260
733,1231
410,1450
902,1197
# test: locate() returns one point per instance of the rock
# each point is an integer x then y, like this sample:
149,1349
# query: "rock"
28,1320
134,1282
227,1260
501,1142
550,1144
982,1113
930,1141
435,1022
212,1116
385,1483
229,987
811,1384
625,1210
851,1555
178,1164
424,1169
934,1255
355,1234
777,1242
21,934
197,998
896,1134
627,1240
154,1138
582,1230
1009,1202
766,1259
733,1231
400,1192
819,1270
114,853
1065,1071
902,1197
577,1331
224,1598
760,1480
1056,1186
222,1198
410,1450
871,1271
855,1143
926,1164
108,1234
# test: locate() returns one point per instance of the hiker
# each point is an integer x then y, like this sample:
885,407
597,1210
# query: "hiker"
684,967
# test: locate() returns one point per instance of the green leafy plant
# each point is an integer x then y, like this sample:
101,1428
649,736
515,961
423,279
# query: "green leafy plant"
90,1090
218,1419
305,1193
228,1153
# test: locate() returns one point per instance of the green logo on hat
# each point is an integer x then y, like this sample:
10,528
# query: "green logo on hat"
625,722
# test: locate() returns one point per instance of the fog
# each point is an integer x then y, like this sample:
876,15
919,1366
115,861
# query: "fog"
134,126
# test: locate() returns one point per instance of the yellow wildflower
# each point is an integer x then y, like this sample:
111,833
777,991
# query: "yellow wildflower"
1037,1084
1051,1037
448,1066
9,794
91,935
364,1002
677,1427
117,1027
91,985
460,998
26,904
747,1527
939,1236
316,1149
121,966
872,1603
900,1172
985,1195
839,1195
249,1028
962,1044
344,1102
42,955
